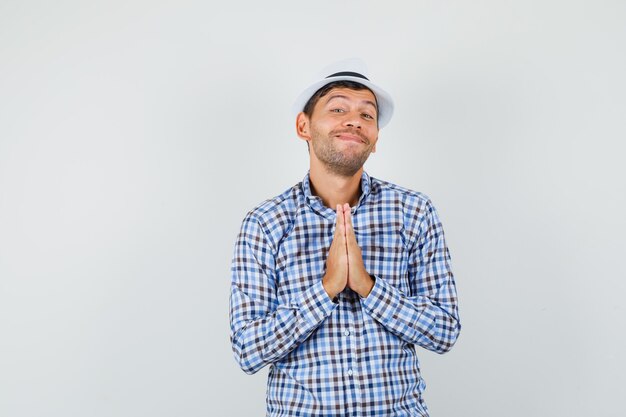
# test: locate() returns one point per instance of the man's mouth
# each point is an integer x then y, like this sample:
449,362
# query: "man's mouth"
351,137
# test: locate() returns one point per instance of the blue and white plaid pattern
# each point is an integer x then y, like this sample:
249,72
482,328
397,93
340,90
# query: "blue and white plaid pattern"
353,356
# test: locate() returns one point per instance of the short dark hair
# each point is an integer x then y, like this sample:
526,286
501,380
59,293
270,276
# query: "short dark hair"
353,85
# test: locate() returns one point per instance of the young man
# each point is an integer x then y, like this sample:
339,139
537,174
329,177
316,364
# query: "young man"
339,278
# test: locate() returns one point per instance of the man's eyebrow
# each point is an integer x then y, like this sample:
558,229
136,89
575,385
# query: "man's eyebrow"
370,102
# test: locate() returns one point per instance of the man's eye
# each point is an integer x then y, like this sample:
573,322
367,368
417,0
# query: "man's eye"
337,110
367,116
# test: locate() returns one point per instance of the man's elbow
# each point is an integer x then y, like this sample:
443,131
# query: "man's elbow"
248,368
449,340
246,365
246,362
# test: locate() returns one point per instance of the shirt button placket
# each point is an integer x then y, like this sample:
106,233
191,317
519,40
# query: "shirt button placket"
349,360
355,332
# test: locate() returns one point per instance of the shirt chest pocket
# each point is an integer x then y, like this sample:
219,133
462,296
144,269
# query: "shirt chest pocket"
385,255
301,260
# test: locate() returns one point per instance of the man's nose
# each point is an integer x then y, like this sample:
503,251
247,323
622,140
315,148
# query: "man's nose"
353,120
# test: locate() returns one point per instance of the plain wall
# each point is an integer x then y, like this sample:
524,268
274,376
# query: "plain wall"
135,135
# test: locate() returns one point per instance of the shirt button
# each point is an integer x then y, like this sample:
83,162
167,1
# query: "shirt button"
347,332
349,372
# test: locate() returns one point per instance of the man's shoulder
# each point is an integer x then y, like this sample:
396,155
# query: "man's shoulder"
386,190
416,207
278,208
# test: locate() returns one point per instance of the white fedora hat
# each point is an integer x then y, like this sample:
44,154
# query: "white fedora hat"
353,69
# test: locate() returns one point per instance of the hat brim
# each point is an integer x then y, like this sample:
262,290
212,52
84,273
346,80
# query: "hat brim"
383,99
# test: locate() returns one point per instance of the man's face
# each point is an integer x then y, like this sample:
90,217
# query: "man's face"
344,129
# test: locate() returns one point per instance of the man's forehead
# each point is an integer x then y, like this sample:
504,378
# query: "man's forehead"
364,95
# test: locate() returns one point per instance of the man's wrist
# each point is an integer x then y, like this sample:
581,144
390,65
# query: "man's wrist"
368,282
332,293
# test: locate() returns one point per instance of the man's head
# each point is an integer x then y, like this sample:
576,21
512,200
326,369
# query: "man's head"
339,117
340,128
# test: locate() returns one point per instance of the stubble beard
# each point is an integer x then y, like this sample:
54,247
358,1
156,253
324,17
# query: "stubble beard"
342,163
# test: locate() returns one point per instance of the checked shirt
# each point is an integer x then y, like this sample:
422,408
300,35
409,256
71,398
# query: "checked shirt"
350,356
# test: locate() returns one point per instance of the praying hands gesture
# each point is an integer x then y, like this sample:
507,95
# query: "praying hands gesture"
344,265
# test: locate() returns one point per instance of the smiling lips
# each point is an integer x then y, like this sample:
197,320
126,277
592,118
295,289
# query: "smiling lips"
351,137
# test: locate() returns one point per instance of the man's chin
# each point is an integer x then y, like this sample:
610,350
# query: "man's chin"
344,170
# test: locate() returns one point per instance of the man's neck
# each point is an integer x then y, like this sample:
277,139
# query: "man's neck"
335,189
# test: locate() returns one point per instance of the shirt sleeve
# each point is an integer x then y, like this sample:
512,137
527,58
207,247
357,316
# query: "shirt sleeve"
262,329
427,317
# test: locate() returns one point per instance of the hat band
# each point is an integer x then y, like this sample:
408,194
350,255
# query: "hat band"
348,74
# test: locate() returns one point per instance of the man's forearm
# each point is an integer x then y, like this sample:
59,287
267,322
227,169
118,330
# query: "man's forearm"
266,338
418,320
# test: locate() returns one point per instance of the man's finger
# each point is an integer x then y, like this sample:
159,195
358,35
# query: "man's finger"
348,219
340,228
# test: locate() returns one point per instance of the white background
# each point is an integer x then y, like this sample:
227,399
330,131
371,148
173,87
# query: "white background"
135,135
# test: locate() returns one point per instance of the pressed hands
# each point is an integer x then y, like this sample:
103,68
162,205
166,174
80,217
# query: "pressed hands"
344,265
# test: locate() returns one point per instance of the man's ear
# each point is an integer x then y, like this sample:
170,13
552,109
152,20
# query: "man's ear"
303,126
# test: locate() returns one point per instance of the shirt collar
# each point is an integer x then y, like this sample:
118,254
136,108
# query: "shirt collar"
366,186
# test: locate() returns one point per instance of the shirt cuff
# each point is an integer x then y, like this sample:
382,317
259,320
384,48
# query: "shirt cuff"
381,302
315,304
